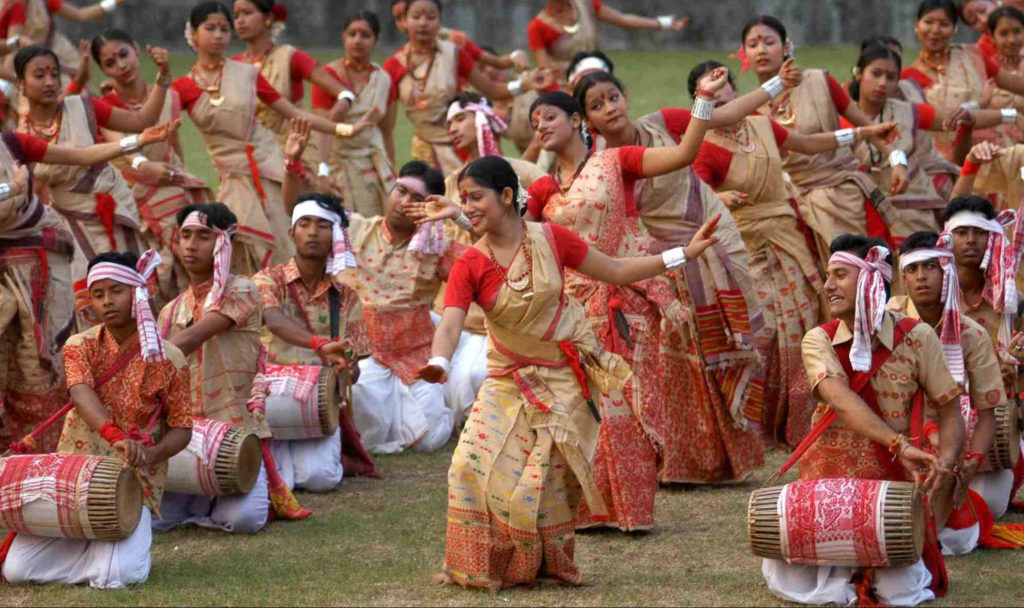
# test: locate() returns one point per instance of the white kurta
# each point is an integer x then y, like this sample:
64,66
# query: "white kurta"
392,417
101,563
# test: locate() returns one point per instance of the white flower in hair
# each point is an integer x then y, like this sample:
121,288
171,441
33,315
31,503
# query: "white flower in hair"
521,196
188,37
276,29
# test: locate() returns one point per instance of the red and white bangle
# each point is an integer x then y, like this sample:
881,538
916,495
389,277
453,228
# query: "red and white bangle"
976,456
318,342
969,168
294,167
112,433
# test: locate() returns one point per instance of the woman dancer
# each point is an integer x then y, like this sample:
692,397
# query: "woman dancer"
156,175
1007,26
954,75
259,23
564,28
718,352
361,166
523,460
221,97
743,163
96,202
426,74
36,252
875,77
835,197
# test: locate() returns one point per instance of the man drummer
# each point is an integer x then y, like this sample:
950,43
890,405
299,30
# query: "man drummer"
929,276
131,398
311,319
979,243
216,325
870,438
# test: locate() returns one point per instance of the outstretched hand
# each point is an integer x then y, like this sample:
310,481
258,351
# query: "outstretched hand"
161,58
298,138
151,135
432,209
704,238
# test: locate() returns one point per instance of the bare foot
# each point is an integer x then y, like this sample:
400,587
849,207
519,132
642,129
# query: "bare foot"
442,578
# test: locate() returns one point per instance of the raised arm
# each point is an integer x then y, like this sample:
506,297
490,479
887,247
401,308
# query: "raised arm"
322,125
134,122
628,20
85,14
745,105
98,153
826,142
981,154
495,91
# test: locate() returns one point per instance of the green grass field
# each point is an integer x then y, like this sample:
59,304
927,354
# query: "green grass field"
378,542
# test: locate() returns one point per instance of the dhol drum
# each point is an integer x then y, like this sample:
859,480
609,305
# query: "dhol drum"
303,401
69,496
1005,448
221,460
838,522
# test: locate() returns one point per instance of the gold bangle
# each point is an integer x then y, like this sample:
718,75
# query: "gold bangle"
344,129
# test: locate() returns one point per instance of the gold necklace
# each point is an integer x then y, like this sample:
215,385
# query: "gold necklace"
740,136
212,89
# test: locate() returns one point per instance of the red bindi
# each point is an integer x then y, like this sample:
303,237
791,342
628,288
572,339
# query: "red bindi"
465,194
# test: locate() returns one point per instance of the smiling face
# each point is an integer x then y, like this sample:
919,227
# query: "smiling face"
934,30
359,40
1009,37
112,302
195,250
42,80
312,237
841,289
765,50
556,128
423,21
976,12
969,245
485,208
923,282
213,35
120,61
250,21
607,108
879,80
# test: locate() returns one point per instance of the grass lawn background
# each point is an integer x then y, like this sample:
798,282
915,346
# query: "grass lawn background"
379,541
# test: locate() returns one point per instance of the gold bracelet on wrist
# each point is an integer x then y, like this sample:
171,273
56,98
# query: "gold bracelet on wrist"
344,129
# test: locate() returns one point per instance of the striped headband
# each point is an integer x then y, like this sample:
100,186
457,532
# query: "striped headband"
341,248
488,125
950,336
429,238
870,310
149,339
221,255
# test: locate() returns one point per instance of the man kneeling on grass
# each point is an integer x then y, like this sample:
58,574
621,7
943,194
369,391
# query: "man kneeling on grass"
123,378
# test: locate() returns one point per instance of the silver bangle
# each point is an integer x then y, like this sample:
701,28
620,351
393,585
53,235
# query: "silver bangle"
441,362
323,170
703,109
970,105
673,258
108,6
898,158
138,161
346,94
463,222
5,191
516,53
1009,115
666,21
130,144
515,88
774,87
12,42
845,137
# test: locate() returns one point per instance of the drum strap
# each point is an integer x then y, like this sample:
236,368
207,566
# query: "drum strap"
860,384
335,310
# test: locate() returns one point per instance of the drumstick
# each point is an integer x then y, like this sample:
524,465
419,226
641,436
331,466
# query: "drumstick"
147,488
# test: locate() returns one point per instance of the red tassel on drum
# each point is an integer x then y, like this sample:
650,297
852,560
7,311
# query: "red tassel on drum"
5,548
864,582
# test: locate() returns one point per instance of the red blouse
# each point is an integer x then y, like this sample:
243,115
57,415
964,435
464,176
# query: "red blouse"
541,35
712,164
631,160
321,99
987,46
926,115
33,147
301,68
473,277
465,62
912,73
189,91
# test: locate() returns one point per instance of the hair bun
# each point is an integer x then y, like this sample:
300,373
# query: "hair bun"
280,12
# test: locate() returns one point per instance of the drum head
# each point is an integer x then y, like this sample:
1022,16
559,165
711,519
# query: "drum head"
329,400
249,459
128,501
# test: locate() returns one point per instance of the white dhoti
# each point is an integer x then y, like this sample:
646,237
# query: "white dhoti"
803,584
392,417
242,514
469,368
959,542
313,465
995,488
103,564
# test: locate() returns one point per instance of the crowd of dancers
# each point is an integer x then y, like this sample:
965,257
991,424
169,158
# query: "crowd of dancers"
634,301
